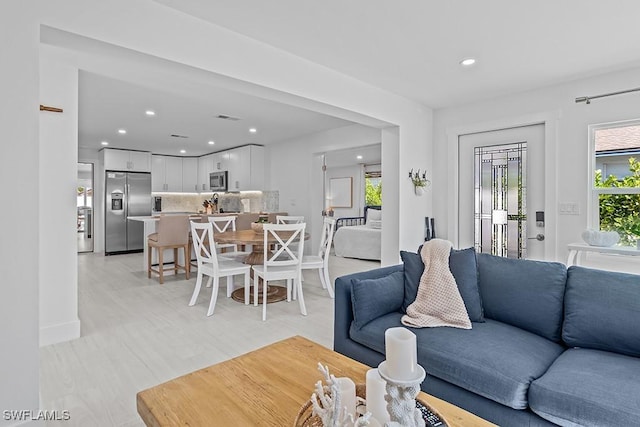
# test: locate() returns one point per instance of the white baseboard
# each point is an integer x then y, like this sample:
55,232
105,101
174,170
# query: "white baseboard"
59,333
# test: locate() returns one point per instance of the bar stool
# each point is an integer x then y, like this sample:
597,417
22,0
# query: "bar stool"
172,233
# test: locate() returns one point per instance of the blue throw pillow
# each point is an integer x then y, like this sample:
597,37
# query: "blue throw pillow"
372,298
464,269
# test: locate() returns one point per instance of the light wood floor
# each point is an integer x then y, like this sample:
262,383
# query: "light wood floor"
137,333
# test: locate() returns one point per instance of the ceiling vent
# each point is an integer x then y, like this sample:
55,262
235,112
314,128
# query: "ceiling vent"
178,136
225,117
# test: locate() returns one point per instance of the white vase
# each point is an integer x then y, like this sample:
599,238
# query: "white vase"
419,191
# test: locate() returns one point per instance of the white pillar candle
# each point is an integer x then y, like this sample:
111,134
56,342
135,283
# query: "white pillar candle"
376,390
402,354
347,390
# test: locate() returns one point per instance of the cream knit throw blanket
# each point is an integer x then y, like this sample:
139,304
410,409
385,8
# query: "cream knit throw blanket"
438,302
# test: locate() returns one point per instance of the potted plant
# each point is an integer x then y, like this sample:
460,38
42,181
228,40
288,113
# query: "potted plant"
419,182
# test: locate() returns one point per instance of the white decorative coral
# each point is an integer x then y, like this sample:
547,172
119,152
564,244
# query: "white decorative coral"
326,403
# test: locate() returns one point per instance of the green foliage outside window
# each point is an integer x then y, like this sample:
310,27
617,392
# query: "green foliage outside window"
621,212
373,192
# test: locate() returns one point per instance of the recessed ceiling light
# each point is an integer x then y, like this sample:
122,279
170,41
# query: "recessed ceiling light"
122,131
150,113
253,130
211,142
467,62
359,157
104,143
183,151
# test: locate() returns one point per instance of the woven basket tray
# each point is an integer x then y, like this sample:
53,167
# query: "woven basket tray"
305,417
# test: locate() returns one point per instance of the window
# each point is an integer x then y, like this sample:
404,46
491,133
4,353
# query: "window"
616,179
373,188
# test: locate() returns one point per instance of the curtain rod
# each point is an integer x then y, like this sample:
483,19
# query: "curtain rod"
588,99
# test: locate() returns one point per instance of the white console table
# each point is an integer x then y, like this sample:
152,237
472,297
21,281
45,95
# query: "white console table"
575,250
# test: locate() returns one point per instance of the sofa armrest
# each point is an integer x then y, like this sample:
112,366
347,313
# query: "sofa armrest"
343,310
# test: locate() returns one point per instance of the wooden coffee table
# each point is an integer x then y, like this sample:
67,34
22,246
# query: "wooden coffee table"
265,387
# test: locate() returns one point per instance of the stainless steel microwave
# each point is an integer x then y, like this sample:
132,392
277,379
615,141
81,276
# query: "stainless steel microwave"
218,181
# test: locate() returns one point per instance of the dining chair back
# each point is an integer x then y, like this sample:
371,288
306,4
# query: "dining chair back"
211,265
321,260
172,232
222,224
284,263
289,219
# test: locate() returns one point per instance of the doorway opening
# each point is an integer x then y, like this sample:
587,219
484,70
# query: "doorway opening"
84,203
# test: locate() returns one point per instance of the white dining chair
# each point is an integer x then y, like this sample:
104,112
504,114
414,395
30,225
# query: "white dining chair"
220,225
283,263
211,265
321,261
289,219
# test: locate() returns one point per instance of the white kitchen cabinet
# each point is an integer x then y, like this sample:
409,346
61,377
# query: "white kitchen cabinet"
205,167
246,168
126,160
166,174
220,161
189,174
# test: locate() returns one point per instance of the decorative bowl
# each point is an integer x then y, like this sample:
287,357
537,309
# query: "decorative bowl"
257,227
600,238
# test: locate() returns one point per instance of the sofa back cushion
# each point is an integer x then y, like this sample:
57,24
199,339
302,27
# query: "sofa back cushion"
523,293
372,298
463,267
602,309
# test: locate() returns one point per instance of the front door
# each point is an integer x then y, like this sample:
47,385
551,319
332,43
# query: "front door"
501,192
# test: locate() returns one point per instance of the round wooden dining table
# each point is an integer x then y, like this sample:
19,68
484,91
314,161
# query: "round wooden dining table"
256,240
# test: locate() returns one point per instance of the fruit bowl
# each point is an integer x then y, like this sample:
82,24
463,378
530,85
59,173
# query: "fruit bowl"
257,227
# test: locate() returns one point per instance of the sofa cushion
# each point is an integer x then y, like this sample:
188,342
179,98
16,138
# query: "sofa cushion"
462,264
371,298
589,387
602,309
523,293
495,360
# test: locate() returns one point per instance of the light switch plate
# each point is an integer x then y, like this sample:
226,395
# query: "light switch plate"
569,208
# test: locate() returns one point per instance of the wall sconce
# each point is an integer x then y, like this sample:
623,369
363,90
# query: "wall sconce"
419,181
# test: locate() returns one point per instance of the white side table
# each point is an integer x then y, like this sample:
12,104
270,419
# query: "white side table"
575,249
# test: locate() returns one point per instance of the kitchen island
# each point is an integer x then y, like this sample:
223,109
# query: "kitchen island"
150,228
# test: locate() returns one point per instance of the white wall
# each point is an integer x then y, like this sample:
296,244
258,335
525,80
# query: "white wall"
58,182
19,173
573,181
296,171
356,173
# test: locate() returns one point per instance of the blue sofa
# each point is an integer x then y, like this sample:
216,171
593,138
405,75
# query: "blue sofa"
550,346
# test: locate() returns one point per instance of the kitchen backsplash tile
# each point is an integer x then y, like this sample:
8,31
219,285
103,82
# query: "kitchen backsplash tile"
257,201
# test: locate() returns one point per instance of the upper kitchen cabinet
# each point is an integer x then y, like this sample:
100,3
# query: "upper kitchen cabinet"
205,167
126,160
166,174
189,174
220,161
246,168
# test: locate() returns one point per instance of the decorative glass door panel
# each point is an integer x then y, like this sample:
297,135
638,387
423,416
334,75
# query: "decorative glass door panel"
500,219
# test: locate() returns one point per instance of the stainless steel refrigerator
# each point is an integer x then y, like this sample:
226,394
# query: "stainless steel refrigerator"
126,194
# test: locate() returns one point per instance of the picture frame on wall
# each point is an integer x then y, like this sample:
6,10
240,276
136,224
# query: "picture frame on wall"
341,190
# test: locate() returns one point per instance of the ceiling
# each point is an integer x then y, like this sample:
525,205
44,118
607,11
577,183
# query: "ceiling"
107,105
413,47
